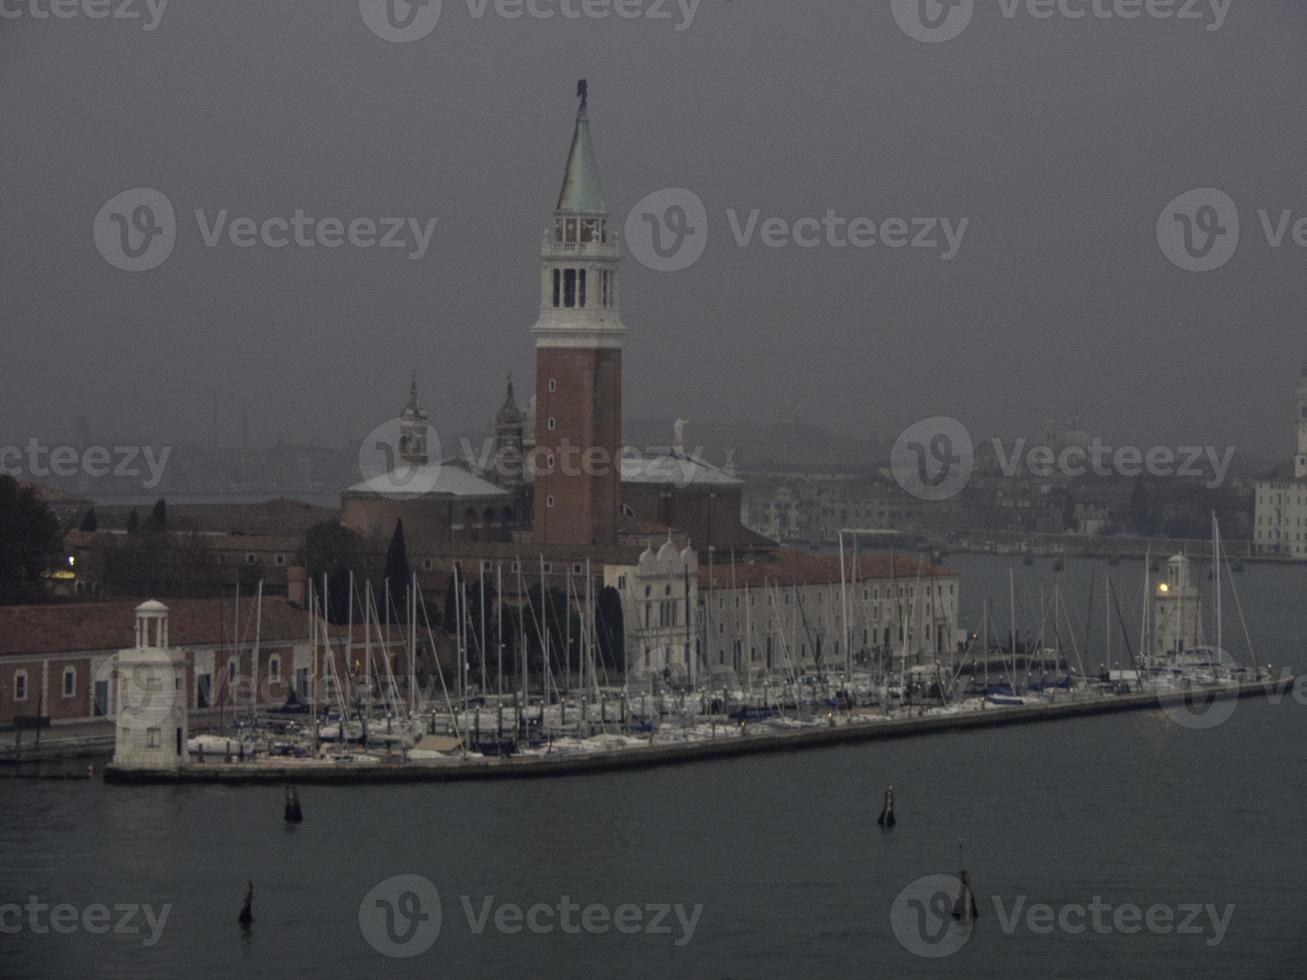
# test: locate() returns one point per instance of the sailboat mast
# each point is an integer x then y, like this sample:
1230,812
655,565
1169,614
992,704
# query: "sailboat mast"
499,625
254,672
1216,577
413,649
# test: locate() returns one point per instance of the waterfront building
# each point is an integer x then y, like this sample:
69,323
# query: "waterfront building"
660,606
1280,511
57,660
788,611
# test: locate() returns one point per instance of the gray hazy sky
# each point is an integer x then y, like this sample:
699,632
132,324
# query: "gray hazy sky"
1061,141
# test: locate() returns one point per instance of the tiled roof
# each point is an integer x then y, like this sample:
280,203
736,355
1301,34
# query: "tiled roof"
790,567
87,626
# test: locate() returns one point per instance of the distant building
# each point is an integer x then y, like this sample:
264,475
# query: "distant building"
1280,510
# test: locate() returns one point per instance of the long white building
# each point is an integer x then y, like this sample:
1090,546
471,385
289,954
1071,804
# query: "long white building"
792,612
1280,512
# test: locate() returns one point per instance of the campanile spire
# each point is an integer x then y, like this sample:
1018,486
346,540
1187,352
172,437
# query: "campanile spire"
579,358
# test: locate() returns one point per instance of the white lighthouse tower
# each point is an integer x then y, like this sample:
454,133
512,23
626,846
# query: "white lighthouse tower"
150,733
1177,611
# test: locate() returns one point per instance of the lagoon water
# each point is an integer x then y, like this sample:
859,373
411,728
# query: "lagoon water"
782,852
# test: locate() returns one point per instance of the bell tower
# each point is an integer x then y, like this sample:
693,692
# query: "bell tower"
578,360
413,429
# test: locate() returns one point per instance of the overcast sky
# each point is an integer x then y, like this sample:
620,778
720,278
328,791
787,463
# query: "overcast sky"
1060,140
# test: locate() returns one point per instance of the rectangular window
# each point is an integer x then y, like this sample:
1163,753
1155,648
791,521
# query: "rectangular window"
274,668
20,685
557,287
581,303
152,738
603,289
70,681
570,236
569,288
589,230
281,559
553,384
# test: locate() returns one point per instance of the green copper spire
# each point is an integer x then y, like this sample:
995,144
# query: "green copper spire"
581,192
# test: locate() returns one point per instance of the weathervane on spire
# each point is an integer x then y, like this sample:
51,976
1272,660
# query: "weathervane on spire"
583,93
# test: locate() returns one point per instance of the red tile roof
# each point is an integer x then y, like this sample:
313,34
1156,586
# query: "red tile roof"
87,626
791,567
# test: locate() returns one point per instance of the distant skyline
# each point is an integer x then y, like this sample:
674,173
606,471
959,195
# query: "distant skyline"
1061,142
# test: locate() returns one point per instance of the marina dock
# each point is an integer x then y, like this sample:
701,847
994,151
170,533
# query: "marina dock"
842,730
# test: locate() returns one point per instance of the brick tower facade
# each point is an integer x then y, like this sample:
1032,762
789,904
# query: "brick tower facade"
578,361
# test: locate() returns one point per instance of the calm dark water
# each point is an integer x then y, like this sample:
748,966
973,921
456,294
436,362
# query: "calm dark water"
783,853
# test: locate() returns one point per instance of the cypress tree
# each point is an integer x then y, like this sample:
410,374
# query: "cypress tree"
397,570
